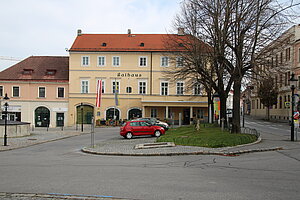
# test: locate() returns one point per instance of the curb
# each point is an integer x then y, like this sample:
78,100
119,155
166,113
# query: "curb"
233,153
54,196
220,153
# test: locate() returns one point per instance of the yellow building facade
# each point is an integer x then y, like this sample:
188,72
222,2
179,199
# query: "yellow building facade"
133,66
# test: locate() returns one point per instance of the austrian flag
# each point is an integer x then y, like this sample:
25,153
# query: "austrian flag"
99,93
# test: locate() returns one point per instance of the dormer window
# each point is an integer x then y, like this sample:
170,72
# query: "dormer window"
50,72
27,71
104,44
142,44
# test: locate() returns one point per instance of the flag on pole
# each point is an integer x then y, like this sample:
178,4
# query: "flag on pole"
99,93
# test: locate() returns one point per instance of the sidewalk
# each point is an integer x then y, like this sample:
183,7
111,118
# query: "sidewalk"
122,147
39,136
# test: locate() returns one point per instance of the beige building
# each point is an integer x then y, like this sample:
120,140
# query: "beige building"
283,56
38,90
133,66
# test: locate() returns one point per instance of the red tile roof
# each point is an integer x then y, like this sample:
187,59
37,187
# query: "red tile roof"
125,42
37,68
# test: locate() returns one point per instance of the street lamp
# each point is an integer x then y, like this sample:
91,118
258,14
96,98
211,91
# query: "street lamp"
81,107
293,82
6,98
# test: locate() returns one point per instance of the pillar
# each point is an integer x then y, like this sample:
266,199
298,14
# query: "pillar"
167,112
143,111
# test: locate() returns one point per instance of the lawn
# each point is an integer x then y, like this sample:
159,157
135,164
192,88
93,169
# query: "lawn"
208,136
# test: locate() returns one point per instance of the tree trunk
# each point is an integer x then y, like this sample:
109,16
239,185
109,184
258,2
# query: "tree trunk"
236,120
223,98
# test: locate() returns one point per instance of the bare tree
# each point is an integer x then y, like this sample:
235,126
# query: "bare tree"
268,92
236,31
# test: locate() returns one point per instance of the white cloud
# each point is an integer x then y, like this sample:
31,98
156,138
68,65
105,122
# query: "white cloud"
35,27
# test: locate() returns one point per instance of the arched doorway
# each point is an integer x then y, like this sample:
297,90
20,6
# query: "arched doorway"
85,114
134,113
111,112
42,117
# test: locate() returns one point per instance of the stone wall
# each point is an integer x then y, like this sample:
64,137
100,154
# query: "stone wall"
15,130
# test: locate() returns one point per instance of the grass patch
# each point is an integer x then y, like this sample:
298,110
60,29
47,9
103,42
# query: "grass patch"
208,136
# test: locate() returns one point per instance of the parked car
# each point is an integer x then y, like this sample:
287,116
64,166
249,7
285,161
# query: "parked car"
156,122
139,127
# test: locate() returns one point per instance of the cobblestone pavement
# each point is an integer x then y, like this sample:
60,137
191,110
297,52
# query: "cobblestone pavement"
13,196
40,135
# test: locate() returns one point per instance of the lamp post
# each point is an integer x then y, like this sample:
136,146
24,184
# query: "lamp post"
81,107
293,81
6,98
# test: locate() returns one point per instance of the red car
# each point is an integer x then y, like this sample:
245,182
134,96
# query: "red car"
134,128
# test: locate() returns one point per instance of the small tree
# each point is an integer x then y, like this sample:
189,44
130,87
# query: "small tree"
268,93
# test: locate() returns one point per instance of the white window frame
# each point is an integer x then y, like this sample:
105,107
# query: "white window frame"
12,91
104,61
197,86
177,89
103,84
113,87
39,96
163,88
146,61
83,90
139,86
164,61
83,61
179,61
64,95
119,60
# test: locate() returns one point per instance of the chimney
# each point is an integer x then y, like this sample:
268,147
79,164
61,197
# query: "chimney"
180,31
129,31
79,32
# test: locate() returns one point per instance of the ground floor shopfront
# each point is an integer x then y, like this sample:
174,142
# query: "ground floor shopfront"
39,114
172,109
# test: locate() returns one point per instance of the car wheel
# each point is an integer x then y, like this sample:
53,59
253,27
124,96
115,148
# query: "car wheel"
129,135
157,133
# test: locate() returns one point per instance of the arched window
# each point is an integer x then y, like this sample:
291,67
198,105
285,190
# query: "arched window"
42,117
85,114
134,113
112,113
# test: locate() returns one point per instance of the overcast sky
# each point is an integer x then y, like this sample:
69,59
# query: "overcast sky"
48,27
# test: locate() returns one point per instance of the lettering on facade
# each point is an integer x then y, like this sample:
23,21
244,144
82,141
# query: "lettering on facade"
129,75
